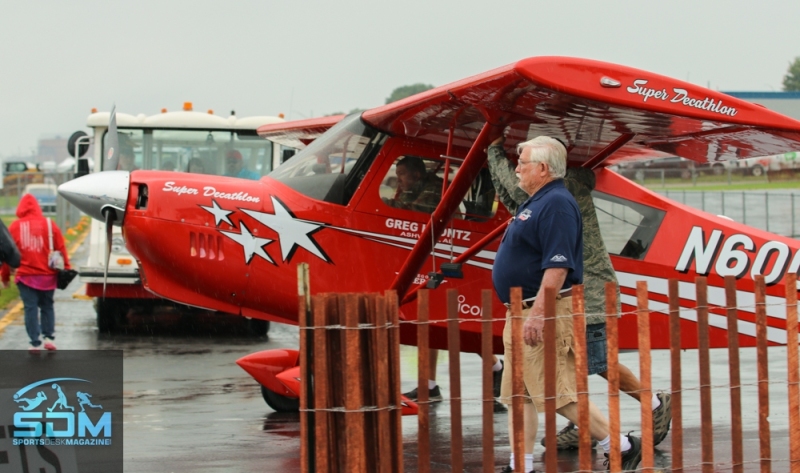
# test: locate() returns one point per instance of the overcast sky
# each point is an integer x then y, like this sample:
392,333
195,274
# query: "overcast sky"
59,59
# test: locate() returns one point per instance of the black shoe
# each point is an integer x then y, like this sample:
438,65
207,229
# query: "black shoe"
434,395
631,457
497,379
499,407
508,469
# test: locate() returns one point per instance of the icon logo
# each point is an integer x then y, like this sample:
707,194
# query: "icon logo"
558,259
49,408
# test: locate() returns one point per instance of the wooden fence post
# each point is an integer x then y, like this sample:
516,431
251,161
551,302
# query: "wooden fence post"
794,375
582,382
518,424
737,454
612,336
423,403
763,375
550,361
645,393
676,383
488,378
454,350
707,428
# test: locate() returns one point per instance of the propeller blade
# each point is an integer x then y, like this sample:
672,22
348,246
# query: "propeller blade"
112,143
110,215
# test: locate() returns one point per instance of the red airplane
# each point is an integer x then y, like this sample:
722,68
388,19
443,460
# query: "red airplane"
233,245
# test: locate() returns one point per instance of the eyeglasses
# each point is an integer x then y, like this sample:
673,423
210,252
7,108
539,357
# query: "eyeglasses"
522,163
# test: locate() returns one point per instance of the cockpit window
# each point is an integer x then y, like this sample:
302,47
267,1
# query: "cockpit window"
628,228
415,183
333,165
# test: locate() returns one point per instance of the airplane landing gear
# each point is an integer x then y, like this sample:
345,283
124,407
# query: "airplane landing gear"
279,402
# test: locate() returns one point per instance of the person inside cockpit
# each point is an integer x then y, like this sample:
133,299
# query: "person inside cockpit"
417,189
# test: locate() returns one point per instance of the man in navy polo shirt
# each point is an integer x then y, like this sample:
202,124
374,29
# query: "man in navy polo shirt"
543,247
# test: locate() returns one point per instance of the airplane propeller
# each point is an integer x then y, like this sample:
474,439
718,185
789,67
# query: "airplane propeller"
110,215
102,195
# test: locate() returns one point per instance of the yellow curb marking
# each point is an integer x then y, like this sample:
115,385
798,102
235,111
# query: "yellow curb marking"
11,316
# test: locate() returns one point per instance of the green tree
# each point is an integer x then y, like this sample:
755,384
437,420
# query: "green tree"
791,81
407,91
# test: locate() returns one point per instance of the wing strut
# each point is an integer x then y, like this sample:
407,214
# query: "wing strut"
444,212
604,153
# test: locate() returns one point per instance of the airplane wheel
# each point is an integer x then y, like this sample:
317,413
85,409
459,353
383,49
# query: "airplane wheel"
279,402
257,327
757,171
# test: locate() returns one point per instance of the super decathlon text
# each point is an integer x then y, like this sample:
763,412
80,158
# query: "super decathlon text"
209,191
681,96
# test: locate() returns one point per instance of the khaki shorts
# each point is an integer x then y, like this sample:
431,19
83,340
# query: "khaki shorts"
533,362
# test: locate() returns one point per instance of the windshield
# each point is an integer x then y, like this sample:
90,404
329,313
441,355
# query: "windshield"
43,193
231,153
334,164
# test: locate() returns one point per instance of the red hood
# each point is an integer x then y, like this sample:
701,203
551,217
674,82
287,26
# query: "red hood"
29,207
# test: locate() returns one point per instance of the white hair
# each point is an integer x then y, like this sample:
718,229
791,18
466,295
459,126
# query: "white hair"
549,151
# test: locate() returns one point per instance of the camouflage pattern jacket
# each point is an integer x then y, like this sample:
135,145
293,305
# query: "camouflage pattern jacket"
423,196
597,268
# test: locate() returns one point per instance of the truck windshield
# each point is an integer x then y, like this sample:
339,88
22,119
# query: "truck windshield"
232,153
333,165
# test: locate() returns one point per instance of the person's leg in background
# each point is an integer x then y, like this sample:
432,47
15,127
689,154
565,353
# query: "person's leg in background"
30,301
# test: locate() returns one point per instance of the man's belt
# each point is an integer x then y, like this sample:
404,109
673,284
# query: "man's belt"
528,303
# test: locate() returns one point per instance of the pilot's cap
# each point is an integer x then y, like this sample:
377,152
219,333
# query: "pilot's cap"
233,154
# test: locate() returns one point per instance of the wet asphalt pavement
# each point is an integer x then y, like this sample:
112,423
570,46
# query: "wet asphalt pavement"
189,407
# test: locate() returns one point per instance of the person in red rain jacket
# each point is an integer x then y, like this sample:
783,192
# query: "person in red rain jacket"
35,280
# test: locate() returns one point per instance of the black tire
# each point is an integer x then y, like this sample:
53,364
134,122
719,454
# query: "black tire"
82,148
257,327
757,171
109,315
279,402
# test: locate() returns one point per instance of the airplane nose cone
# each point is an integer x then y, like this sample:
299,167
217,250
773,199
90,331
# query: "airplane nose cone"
98,192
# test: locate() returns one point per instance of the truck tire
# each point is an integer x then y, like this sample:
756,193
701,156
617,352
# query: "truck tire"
109,315
757,170
279,402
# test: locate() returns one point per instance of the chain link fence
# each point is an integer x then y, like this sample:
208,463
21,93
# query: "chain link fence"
773,211
16,184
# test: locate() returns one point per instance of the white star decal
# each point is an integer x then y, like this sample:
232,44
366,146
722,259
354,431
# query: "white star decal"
292,232
220,214
251,245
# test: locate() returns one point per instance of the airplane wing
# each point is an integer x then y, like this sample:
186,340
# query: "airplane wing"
593,106
298,133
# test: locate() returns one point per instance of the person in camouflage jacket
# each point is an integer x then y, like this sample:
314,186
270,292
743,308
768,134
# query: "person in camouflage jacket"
597,270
